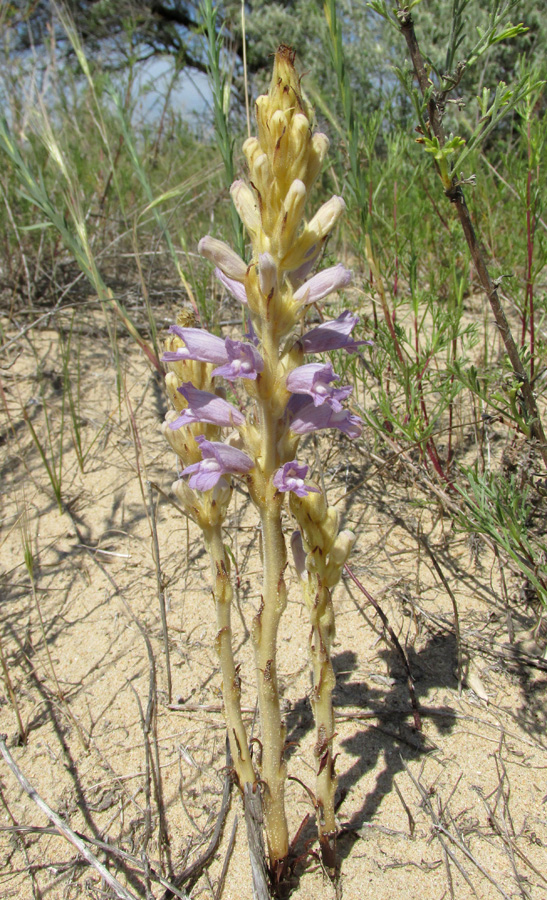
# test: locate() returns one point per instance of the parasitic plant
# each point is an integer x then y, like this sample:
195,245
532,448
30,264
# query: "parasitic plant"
285,397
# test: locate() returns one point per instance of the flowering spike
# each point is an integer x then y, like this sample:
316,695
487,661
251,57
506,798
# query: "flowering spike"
286,399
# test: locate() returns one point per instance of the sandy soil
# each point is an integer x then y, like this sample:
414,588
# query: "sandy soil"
456,810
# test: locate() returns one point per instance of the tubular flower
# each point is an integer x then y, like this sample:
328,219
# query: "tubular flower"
323,284
198,345
290,477
315,379
206,407
242,361
218,460
314,418
235,359
332,335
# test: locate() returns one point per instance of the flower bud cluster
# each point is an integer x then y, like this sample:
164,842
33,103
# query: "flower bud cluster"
212,506
320,550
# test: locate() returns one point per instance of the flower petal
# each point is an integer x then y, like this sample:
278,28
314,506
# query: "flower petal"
323,284
315,379
206,407
332,335
235,288
314,418
231,459
244,361
199,345
290,477
218,460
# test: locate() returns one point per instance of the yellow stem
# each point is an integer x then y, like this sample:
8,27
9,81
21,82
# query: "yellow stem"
231,685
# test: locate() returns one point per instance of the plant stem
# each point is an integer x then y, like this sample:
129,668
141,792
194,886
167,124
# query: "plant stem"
321,637
231,682
265,626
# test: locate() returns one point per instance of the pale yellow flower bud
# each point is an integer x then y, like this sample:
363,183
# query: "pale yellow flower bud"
245,203
341,548
172,382
181,440
299,140
223,256
278,126
318,150
251,149
186,497
293,211
267,274
326,217
262,175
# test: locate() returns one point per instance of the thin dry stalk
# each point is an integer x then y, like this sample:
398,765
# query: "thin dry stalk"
441,831
108,848
192,872
253,821
396,644
161,589
226,863
62,827
60,695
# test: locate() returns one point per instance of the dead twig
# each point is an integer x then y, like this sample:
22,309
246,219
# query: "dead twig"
226,863
441,831
106,847
396,644
192,872
62,827
253,821
161,588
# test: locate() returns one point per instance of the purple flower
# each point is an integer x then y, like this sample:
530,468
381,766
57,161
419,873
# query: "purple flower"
314,379
218,460
235,288
235,359
323,284
199,345
313,418
243,361
206,407
332,335
290,477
